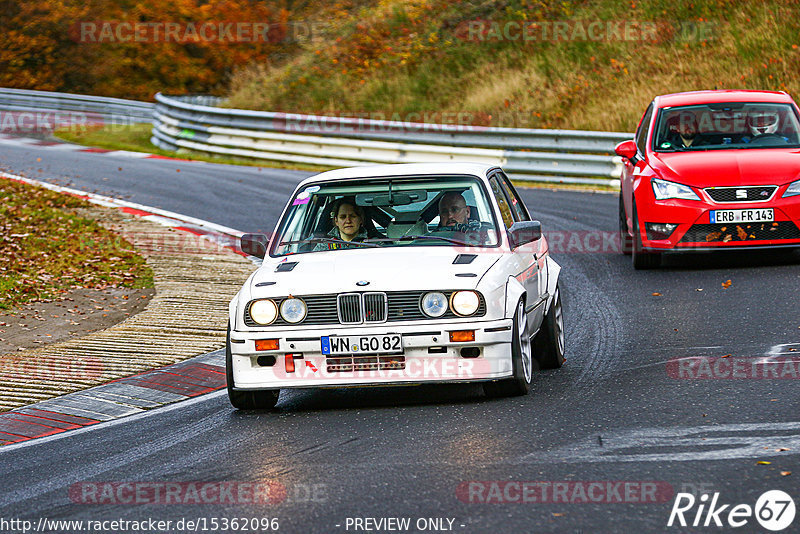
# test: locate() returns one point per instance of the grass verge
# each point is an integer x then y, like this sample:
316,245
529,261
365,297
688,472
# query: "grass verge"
47,248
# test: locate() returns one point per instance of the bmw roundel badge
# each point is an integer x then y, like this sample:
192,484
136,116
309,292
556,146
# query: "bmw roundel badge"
362,283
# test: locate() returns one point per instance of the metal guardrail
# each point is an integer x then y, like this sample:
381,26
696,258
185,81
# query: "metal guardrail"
198,123
73,107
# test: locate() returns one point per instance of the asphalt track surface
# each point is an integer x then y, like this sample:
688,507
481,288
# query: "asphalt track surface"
613,413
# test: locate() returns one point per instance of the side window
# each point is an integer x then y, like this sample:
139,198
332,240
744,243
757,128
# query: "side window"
641,133
516,202
505,211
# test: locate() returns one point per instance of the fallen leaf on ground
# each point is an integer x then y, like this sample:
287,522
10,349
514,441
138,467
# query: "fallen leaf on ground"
785,473
763,463
783,449
727,356
656,294
726,284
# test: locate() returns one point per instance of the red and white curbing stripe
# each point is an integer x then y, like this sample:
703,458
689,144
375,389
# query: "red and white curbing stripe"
59,145
134,394
122,398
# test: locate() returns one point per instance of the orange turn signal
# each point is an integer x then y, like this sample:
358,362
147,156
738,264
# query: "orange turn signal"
462,335
267,344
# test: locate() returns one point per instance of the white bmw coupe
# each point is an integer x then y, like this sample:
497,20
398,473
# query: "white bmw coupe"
396,274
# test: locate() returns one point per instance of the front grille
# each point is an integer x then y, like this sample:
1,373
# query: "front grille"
349,364
725,233
753,193
350,308
359,308
375,307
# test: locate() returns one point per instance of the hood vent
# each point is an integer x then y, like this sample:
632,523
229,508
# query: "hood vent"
286,267
464,259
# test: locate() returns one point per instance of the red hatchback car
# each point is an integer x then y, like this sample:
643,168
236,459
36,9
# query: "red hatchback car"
711,170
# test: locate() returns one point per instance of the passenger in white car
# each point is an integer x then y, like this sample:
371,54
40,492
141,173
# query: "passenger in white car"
348,225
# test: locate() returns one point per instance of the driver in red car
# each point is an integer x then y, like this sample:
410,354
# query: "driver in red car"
762,124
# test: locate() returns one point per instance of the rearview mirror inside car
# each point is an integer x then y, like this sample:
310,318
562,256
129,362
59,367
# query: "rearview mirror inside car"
524,232
254,245
388,199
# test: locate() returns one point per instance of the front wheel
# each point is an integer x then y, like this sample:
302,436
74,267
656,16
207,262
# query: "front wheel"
625,239
642,258
548,345
521,361
246,400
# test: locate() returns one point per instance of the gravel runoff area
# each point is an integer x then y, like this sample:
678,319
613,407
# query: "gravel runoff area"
187,316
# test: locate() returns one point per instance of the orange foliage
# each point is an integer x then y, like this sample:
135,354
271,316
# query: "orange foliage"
92,46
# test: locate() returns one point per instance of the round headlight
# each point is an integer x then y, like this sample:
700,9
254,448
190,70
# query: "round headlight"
263,311
434,304
293,310
465,302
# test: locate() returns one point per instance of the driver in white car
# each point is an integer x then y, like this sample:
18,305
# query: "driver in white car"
454,214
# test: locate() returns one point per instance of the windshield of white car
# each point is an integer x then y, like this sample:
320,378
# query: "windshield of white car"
725,126
387,212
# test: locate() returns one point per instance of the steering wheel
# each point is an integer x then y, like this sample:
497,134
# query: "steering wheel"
767,139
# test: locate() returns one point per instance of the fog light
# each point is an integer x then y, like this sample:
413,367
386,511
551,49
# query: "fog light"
659,230
462,336
267,344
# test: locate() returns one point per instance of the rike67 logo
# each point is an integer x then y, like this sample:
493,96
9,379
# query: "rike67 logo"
774,510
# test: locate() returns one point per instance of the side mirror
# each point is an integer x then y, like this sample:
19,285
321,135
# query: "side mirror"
524,232
626,149
254,245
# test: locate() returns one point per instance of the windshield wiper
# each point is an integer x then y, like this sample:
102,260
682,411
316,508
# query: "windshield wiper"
327,240
415,237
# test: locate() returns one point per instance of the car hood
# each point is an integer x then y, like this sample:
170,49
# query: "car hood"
397,269
763,166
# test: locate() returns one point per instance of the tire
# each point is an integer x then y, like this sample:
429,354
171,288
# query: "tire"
625,239
642,259
521,360
548,345
246,400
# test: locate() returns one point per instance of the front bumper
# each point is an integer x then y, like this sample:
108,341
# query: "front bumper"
428,356
695,231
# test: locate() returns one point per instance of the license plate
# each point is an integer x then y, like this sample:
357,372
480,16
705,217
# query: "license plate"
386,344
741,216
